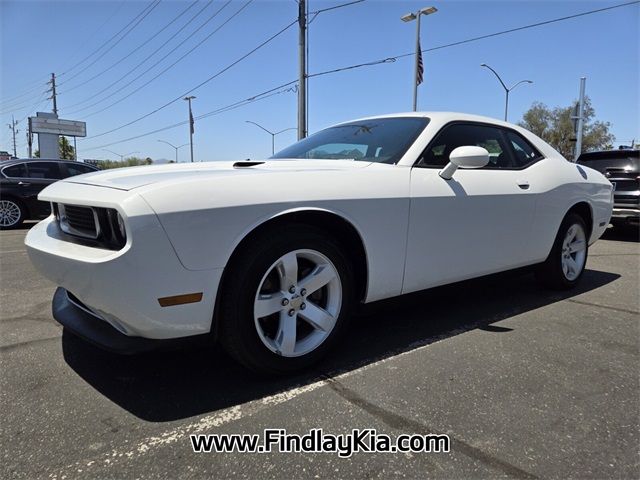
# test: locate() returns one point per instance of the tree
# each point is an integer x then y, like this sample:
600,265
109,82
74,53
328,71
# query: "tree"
65,150
556,128
127,162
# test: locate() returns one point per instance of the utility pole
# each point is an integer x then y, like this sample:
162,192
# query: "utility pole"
191,124
580,118
29,138
14,130
53,96
302,87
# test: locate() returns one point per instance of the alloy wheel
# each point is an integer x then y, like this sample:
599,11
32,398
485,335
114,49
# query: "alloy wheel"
297,303
9,213
574,247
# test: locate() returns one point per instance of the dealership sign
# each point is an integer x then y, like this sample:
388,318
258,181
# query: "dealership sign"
57,126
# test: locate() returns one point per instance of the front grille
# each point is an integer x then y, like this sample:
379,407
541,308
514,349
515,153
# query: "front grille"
80,221
626,200
626,185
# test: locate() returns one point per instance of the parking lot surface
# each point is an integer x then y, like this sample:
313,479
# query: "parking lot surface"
526,383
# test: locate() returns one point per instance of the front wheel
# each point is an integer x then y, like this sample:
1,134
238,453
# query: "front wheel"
286,300
565,264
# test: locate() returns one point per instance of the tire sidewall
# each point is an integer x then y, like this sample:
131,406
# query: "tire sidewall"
238,302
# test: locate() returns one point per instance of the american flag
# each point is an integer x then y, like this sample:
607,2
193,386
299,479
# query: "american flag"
191,122
420,74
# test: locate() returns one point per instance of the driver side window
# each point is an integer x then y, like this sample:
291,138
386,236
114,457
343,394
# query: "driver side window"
468,134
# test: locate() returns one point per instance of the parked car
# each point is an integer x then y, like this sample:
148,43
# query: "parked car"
268,257
622,169
21,180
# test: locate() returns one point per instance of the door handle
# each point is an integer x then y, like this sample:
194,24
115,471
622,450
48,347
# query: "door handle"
24,184
523,184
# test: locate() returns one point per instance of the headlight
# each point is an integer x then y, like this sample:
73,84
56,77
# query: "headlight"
118,229
96,226
121,229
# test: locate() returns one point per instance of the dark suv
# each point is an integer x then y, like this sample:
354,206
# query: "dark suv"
21,181
622,168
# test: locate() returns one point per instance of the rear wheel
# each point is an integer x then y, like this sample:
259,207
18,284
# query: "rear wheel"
286,300
565,265
12,214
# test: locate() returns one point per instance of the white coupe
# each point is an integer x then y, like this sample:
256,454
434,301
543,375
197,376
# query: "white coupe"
268,257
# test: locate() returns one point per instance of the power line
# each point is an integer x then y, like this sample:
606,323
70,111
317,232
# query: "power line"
143,62
41,82
469,40
124,35
8,102
280,89
375,62
245,5
212,77
104,44
95,31
102,72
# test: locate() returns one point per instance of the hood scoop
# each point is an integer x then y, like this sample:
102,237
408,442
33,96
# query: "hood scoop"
245,164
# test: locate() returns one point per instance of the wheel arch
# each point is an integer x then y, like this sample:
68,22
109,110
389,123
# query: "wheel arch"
333,222
584,209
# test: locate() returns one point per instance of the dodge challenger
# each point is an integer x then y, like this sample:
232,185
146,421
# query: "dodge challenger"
268,257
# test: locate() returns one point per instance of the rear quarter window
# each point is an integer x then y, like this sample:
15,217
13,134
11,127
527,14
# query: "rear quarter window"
15,171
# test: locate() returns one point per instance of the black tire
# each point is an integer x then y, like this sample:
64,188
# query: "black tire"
237,328
12,203
550,273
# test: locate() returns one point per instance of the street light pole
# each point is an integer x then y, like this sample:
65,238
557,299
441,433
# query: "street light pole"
506,89
118,154
408,18
191,126
172,145
273,134
417,65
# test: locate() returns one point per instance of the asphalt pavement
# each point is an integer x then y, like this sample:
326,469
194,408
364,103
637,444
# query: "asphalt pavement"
526,383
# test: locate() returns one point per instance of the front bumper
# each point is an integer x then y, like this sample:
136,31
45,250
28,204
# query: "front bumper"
80,321
630,215
122,288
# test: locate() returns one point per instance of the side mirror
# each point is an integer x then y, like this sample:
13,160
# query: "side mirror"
465,157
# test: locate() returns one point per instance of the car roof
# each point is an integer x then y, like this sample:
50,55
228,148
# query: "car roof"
610,154
441,117
31,160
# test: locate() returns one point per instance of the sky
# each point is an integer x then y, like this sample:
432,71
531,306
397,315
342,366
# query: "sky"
81,43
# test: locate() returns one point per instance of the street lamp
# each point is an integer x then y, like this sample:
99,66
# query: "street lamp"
118,154
191,126
172,145
506,90
419,68
273,134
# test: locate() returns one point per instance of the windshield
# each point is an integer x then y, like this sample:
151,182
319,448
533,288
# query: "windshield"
383,140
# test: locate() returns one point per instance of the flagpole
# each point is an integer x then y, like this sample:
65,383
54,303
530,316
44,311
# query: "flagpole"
191,124
418,54
419,67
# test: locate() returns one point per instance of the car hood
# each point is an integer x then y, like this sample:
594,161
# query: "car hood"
135,177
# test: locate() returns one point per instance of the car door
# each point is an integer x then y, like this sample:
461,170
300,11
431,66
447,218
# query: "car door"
13,181
476,223
39,175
